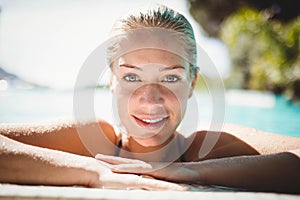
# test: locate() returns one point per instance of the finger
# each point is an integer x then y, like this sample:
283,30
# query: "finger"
105,164
147,176
130,181
118,160
132,168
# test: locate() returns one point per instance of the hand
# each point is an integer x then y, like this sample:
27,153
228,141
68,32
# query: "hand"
111,180
178,172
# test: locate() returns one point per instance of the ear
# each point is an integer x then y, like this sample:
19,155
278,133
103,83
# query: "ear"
112,82
194,81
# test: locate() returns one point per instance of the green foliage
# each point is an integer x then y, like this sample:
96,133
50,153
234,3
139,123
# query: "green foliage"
265,54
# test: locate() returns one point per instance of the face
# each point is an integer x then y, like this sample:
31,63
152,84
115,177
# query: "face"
151,87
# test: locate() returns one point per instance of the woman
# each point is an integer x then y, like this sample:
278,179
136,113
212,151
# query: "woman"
153,60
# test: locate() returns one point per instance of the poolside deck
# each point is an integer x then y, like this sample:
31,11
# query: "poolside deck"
24,192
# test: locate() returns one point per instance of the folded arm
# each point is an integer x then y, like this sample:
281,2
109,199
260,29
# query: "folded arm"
251,159
278,172
27,164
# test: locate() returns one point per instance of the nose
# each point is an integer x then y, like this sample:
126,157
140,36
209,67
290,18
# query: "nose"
151,94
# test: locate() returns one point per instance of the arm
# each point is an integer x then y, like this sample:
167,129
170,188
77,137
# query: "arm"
278,172
275,172
249,159
26,164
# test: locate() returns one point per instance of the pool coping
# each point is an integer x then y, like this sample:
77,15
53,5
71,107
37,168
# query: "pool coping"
26,192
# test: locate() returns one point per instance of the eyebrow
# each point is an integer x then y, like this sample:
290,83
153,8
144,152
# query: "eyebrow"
164,69
130,66
173,67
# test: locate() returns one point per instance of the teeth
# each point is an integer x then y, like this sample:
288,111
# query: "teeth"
152,121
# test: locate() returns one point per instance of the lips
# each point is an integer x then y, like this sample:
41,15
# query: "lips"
151,122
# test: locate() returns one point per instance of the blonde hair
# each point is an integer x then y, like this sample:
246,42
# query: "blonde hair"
159,17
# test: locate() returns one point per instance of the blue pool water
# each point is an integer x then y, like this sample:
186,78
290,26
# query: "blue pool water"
262,111
283,118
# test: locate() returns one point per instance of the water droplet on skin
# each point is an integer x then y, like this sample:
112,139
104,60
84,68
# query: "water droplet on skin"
31,131
3,145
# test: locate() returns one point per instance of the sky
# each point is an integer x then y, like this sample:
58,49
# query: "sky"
47,41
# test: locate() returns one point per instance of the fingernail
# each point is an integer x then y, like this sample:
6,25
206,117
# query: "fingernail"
116,169
99,156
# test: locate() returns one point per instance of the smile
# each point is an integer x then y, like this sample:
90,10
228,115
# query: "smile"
151,122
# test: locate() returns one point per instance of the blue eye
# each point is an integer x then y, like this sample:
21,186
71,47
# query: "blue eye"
131,78
171,79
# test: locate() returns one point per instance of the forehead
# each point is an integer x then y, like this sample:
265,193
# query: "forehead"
145,39
152,56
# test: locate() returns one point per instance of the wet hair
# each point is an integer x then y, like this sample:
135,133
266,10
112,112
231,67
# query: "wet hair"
159,17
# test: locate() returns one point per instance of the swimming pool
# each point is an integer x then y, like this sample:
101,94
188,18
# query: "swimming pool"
263,111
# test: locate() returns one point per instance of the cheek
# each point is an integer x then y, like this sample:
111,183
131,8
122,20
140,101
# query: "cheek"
180,96
121,105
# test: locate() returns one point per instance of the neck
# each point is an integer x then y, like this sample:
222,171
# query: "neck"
157,153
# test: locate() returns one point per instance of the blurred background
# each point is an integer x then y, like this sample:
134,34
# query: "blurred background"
253,44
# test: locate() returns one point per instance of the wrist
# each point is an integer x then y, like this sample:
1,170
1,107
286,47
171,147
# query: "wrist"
85,171
199,171
62,168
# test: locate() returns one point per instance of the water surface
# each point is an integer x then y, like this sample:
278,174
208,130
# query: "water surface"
265,112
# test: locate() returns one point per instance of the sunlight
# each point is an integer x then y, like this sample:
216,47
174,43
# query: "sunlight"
52,39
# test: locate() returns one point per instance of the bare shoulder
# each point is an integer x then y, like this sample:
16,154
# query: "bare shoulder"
206,144
78,137
98,136
236,140
263,142
109,131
